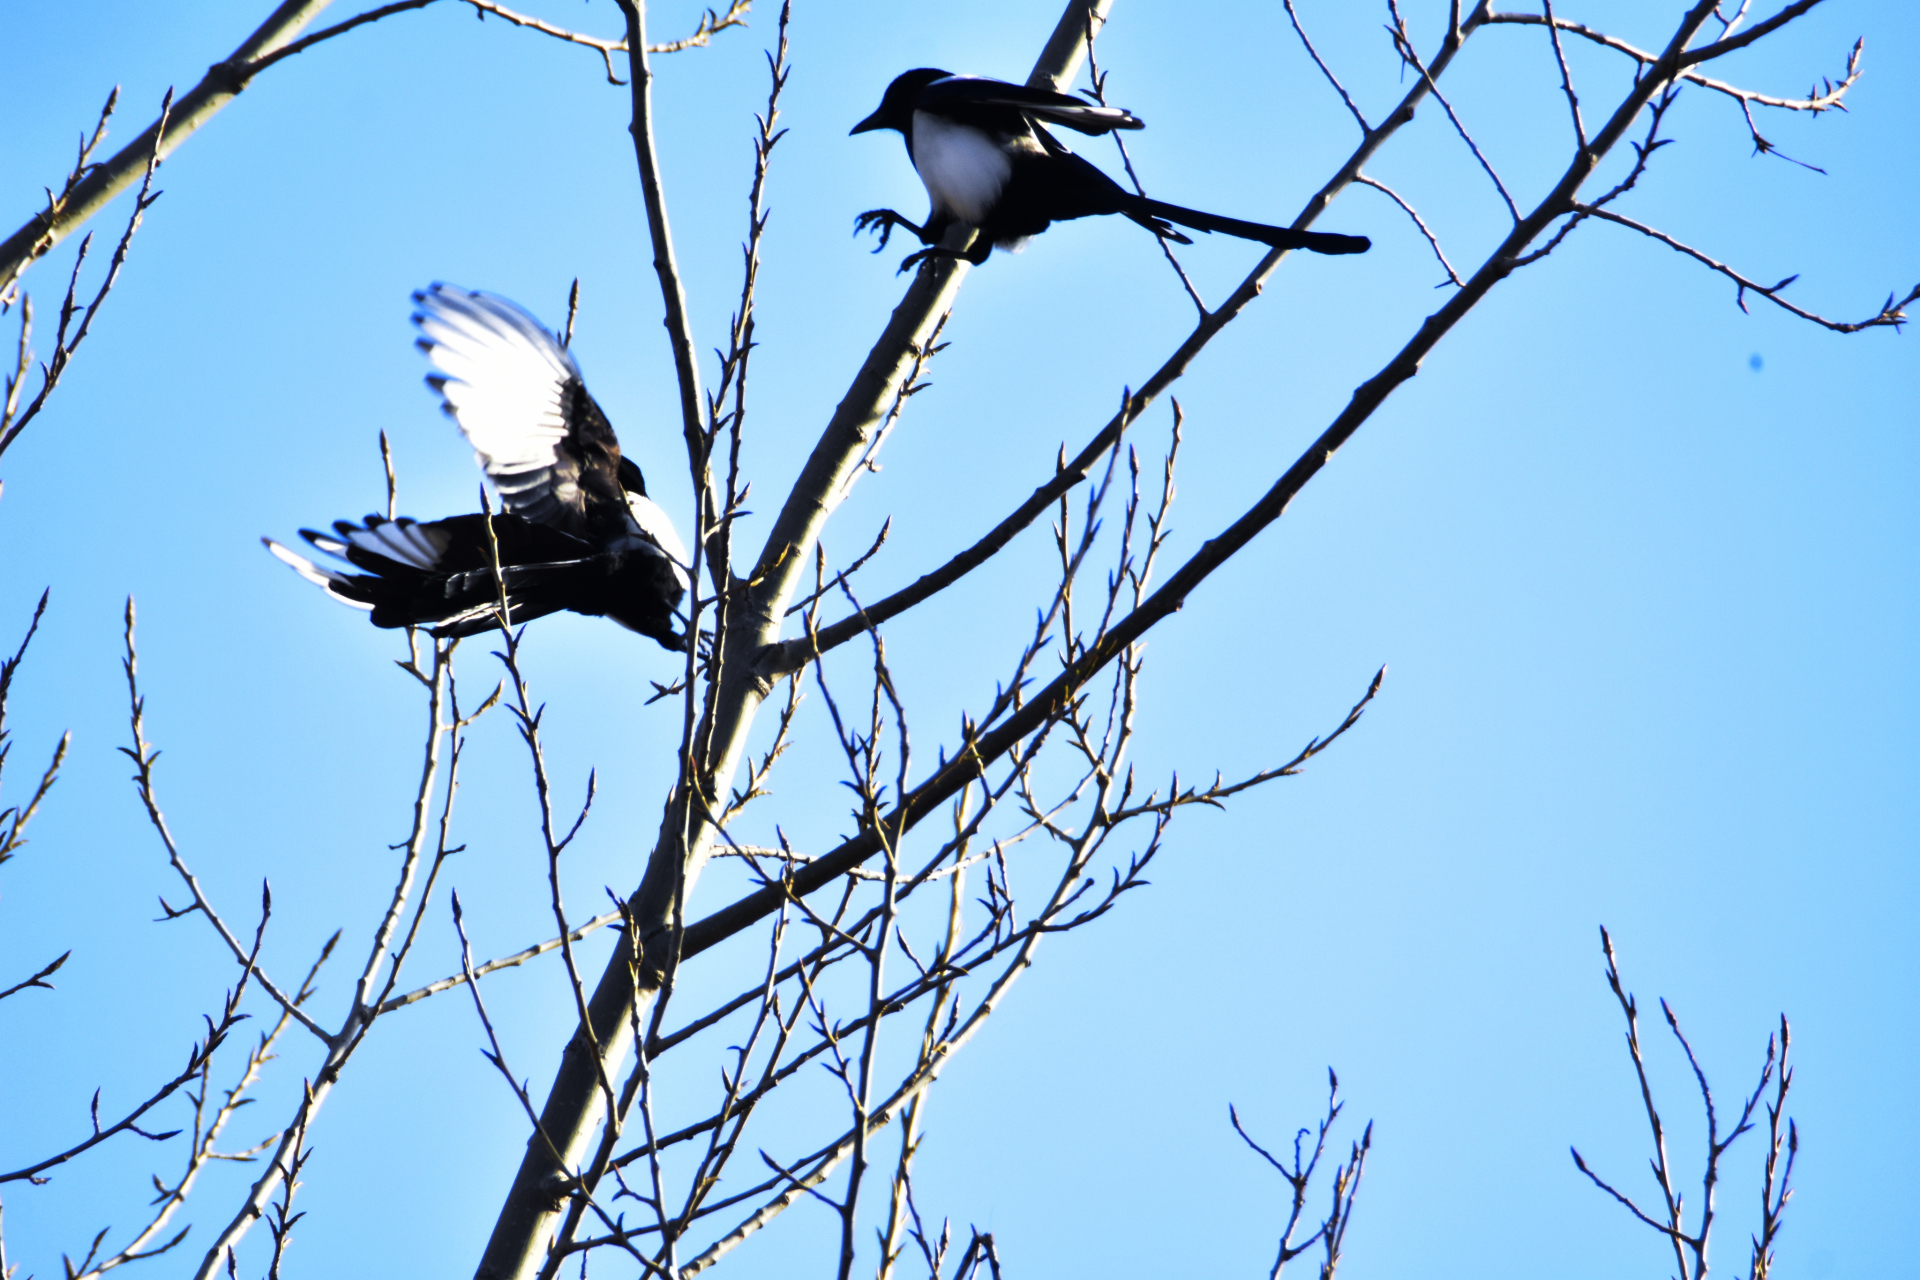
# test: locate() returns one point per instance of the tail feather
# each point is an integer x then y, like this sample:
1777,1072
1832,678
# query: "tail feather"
1278,237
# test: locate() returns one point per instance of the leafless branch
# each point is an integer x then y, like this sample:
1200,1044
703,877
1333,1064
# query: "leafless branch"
198,1056
923,353
39,979
1829,95
1758,31
206,1133
102,182
1566,77
14,818
845,575
245,71
1358,117
1403,45
1453,277
143,757
673,294
1777,1187
83,166
494,1055
1098,80
281,1218
1691,1248
1330,1231
63,348
493,966
711,23
1892,313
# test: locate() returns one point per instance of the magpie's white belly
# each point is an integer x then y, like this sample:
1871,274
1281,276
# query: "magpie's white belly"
964,169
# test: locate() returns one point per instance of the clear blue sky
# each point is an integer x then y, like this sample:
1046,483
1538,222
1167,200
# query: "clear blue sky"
1643,567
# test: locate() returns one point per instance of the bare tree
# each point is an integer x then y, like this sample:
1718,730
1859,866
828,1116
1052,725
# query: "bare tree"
881,957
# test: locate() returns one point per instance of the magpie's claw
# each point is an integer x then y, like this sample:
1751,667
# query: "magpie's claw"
884,219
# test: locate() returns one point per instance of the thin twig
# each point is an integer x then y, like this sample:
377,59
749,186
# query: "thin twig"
1453,277
64,350
1892,313
1566,77
143,756
197,1059
1403,45
1358,117
1828,97
494,966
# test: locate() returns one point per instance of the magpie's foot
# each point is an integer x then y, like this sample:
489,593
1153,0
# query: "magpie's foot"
915,259
884,219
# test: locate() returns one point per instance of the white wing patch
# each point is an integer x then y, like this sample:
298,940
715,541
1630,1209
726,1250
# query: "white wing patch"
402,540
324,579
964,170
502,378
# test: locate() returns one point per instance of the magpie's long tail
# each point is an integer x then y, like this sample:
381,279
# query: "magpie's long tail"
1151,212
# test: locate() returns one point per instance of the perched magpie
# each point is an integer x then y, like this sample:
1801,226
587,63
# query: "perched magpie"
983,150
578,530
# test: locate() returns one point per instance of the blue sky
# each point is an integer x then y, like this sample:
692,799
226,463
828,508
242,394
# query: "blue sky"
1642,566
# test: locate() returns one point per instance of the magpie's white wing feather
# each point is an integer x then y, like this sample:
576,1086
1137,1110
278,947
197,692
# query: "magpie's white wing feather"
325,579
504,380
403,540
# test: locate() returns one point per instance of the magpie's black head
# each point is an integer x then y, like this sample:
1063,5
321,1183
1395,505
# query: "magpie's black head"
896,108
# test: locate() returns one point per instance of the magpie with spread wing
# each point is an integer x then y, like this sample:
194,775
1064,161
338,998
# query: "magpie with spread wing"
577,530
984,152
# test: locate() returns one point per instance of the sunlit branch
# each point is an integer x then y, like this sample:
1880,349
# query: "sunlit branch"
86,197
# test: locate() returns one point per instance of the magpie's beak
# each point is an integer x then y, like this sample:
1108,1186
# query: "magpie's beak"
868,125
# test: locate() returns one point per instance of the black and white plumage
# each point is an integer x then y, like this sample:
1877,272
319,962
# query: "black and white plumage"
984,152
577,531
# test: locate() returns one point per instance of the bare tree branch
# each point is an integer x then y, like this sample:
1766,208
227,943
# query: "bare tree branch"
190,111
1829,96
143,756
1453,277
1892,313
686,363
1403,45
63,349
1359,117
198,1056
39,979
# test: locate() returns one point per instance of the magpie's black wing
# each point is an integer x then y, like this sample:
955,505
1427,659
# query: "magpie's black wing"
441,574
519,398
454,545
1063,109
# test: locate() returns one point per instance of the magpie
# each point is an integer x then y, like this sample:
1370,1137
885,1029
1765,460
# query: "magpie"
577,531
988,161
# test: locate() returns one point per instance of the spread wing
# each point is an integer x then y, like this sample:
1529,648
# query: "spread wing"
1063,109
519,399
